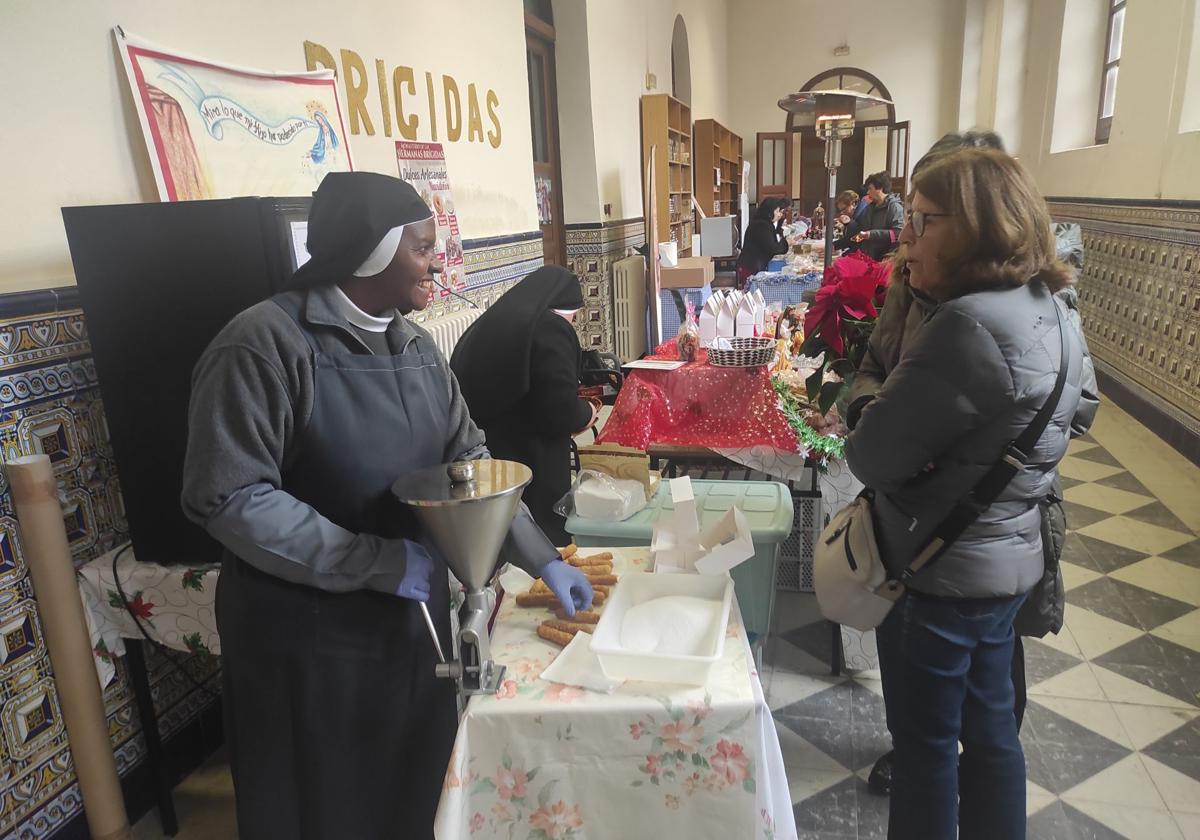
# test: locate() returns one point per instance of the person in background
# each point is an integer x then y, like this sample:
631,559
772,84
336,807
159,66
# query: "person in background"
875,231
304,410
904,312
847,206
978,243
764,239
518,366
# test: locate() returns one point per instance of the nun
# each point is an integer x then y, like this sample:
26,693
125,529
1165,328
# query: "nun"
304,410
518,366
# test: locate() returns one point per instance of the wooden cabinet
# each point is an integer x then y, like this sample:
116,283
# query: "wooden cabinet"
667,129
718,168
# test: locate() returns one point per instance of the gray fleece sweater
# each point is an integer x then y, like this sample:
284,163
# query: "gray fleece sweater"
252,396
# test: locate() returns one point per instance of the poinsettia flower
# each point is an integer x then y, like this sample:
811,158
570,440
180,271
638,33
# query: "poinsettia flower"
823,319
139,607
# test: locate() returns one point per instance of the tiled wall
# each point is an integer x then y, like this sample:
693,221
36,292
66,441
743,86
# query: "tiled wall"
1140,302
50,403
591,251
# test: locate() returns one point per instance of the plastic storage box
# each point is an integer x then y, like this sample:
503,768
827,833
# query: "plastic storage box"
619,663
768,509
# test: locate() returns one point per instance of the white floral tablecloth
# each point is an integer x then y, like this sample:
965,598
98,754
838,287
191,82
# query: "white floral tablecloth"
175,605
543,761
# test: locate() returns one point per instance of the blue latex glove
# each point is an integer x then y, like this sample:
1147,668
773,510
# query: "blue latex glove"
418,570
569,585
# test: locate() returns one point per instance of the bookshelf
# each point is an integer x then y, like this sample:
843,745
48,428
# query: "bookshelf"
667,127
718,168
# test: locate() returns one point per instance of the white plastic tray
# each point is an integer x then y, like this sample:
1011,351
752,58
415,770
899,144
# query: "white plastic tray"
619,663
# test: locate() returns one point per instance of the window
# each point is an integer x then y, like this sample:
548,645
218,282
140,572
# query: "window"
1108,76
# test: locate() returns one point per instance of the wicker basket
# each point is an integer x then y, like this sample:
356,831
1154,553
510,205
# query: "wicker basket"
746,352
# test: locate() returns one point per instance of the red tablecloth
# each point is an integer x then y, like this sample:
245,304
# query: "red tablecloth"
698,405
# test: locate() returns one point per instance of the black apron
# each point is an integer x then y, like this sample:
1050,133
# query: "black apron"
336,725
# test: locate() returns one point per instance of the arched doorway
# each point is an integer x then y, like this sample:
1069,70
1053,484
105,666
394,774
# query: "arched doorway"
681,63
879,142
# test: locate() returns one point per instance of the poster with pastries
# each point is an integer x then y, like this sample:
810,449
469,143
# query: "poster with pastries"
424,166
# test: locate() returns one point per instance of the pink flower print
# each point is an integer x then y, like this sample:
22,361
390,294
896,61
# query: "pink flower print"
699,710
507,690
558,820
558,693
653,765
672,802
528,668
682,736
510,782
502,812
730,762
691,783
476,822
636,730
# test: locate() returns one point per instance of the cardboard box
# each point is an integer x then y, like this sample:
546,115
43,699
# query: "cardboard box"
691,273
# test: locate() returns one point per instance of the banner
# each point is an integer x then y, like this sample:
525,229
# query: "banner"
424,166
216,131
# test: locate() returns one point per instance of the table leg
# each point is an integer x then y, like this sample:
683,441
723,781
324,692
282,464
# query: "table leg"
155,758
837,656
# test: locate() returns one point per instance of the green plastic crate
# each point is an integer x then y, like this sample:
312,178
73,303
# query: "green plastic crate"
767,506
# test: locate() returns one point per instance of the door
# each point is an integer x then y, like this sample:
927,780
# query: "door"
773,165
543,119
898,148
814,177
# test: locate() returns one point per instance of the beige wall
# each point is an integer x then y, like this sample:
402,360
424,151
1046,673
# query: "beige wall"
71,136
778,45
1147,155
626,40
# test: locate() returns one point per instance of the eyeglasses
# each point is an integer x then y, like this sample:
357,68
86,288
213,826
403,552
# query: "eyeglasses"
917,218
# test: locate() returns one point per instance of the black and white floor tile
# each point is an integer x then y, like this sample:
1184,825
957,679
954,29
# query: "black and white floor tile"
1112,732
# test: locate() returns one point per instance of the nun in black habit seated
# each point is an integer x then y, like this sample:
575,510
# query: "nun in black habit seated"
518,367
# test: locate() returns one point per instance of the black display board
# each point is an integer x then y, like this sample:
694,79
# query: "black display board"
157,283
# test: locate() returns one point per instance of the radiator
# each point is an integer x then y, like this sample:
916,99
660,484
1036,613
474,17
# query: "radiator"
448,330
629,307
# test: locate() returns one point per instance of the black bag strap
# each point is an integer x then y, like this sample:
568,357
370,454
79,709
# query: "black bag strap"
997,478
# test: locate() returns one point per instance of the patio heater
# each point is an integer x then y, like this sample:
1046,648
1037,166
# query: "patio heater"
831,114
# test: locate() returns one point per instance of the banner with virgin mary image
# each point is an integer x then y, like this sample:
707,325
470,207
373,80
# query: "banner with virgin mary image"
218,131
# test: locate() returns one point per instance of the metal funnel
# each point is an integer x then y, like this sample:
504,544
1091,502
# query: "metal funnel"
465,509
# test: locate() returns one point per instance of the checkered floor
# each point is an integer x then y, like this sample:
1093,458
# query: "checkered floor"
1112,735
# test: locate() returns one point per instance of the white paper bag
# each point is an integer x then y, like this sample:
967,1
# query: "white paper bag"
708,318
727,318
747,318
760,304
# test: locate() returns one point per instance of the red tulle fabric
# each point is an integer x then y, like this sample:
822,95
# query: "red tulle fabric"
698,405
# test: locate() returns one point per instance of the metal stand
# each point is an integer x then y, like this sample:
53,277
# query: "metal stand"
833,159
155,757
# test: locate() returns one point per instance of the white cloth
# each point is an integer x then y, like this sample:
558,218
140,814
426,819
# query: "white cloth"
577,665
349,310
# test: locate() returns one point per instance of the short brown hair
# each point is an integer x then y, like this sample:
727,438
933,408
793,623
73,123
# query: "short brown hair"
846,198
1002,222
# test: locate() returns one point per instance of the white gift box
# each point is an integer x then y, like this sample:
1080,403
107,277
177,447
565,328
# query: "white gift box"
747,317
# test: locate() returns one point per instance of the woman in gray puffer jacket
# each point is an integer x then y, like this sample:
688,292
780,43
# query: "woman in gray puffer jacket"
978,242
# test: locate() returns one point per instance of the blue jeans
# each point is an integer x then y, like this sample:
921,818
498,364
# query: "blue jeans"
947,678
